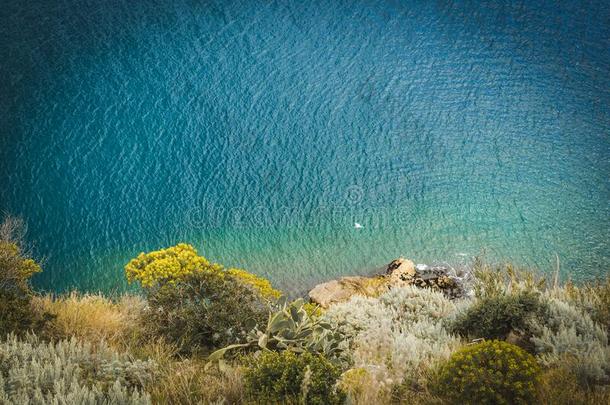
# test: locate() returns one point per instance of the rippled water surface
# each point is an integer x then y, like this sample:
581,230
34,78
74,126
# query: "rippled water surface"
261,131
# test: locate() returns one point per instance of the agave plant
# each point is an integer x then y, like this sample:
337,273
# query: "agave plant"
291,328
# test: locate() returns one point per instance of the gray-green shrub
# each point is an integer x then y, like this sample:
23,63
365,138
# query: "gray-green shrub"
70,372
396,336
565,331
592,298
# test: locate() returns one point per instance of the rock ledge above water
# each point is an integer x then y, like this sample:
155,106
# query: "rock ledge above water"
400,272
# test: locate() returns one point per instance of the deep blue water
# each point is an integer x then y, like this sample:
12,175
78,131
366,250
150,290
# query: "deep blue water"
261,131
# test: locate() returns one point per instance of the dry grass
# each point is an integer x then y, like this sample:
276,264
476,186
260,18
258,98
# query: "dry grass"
495,280
364,388
593,297
94,317
559,386
188,382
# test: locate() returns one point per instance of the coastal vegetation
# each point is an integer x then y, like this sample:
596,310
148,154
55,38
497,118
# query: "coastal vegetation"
201,333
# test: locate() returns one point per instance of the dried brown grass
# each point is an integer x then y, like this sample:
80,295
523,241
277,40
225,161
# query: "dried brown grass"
93,317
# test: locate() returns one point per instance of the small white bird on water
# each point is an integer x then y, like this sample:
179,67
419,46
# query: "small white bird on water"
357,225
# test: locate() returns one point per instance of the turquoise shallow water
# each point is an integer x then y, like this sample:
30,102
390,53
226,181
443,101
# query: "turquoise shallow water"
261,131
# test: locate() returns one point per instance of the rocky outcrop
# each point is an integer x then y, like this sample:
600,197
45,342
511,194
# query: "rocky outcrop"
400,272
340,290
403,272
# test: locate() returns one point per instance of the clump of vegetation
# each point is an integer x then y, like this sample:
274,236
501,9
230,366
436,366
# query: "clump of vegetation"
93,317
394,338
196,304
559,385
191,381
263,286
363,387
493,281
290,378
401,345
491,372
399,307
291,328
495,316
592,298
204,311
506,301
360,387
177,263
567,332
70,372
167,266
16,270
313,310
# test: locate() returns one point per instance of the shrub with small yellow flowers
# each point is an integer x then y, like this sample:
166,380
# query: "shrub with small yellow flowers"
196,304
263,286
167,265
176,263
491,372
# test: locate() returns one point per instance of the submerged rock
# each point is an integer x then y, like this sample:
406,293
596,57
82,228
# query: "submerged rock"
400,272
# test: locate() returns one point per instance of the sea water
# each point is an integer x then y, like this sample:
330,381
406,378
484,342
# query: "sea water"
263,131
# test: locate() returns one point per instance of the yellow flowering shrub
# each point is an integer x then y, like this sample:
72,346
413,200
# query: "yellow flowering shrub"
491,372
196,304
167,265
262,285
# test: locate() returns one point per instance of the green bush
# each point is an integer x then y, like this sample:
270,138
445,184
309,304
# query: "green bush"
17,315
69,372
494,317
204,311
289,378
195,304
491,372
16,270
